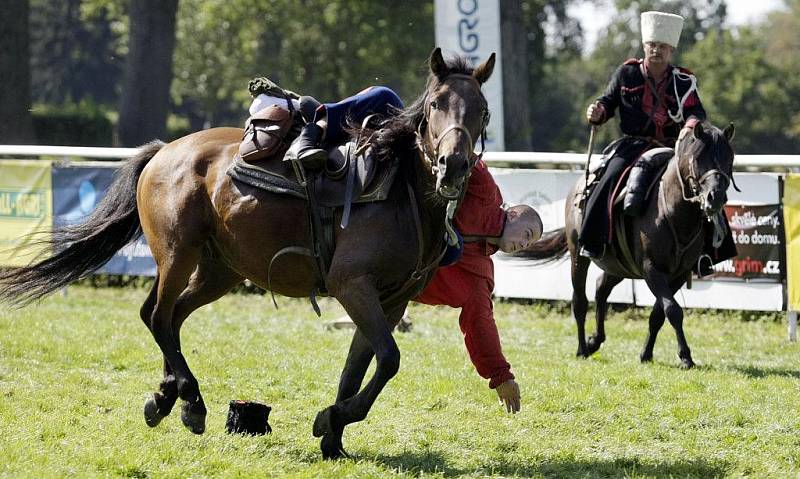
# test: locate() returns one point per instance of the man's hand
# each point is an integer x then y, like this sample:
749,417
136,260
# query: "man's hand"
508,392
595,113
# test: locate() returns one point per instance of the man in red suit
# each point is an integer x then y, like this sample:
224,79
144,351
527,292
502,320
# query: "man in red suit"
468,283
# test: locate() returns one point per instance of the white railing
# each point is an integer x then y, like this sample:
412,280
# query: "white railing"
493,158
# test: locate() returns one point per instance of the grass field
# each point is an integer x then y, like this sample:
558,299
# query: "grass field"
75,371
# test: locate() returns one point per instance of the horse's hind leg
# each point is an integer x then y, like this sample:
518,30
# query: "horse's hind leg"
580,304
209,282
360,299
605,283
174,273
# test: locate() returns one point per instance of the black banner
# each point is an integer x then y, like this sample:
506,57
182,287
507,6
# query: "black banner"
758,234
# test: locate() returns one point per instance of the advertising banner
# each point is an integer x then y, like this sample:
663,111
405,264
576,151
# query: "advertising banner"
77,189
471,28
25,209
757,232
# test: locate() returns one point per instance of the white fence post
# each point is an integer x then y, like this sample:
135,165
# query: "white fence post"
792,316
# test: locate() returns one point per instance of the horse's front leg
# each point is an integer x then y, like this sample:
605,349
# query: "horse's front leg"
361,301
605,283
580,303
358,360
665,297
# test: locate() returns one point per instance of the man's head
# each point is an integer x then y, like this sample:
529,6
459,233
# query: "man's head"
523,228
660,35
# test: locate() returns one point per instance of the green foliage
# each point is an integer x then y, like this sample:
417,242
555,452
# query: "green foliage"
740,85
84,124
326,49
76,51
75,371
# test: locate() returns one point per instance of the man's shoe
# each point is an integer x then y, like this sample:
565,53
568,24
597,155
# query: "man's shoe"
305,148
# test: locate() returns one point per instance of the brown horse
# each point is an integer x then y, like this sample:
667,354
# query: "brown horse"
208,232
665,242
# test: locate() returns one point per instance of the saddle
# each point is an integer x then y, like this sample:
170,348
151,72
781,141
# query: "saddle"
657,159
349,175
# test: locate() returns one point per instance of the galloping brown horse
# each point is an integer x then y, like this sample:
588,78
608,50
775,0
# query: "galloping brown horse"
665,242
208,232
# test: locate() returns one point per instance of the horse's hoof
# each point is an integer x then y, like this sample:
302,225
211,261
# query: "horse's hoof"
687,364
193,416
593,345
331,447
323,423
152,415
646,358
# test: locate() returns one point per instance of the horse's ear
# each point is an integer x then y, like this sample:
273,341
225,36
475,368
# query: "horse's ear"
484,70
438,65
697,131
729,132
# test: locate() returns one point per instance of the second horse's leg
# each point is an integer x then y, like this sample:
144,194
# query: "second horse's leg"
605,283
580,304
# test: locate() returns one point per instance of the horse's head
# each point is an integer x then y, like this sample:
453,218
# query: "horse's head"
705,165
455,115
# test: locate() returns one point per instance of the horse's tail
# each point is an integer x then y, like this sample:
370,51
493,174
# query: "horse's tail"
82,248
551,247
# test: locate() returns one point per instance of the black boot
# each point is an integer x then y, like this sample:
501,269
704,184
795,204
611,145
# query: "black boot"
305,148
638,181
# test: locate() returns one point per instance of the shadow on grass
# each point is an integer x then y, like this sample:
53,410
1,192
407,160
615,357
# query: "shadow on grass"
433,462
756,372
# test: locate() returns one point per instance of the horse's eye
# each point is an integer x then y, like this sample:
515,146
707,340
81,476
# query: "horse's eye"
434,105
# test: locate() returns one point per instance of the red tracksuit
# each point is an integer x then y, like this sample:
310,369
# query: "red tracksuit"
468,284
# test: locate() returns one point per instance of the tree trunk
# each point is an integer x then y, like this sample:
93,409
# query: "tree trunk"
16,126
517,123
148,74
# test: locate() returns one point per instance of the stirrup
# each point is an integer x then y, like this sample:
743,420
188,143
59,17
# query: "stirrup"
704,268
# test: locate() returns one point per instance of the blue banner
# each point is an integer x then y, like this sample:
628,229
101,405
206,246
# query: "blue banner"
77,189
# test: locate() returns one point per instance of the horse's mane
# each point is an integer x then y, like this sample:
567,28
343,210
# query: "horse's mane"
396,135
714,139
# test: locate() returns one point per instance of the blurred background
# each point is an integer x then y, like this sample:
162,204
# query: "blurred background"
122,72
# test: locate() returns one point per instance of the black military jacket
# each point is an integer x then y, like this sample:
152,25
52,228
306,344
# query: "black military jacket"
648,109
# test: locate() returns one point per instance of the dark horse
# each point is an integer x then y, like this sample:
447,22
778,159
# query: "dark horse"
664,243
208,232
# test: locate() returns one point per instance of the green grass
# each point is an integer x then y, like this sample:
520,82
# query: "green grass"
75,371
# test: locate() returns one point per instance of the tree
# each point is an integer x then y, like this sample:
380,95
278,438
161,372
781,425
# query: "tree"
146,89
15,94
75,51
516,77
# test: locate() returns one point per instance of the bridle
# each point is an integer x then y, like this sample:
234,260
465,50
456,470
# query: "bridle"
431,156
696,184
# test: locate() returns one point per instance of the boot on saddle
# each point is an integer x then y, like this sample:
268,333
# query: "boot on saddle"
638,182
642,175
306,147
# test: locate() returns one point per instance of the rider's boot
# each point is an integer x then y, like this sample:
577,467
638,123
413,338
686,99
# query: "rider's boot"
306,147
638,182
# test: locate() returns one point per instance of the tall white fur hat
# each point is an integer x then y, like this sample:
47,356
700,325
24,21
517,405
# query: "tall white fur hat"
661,27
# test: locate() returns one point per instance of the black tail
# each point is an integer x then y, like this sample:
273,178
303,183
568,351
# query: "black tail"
80,249
551,247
